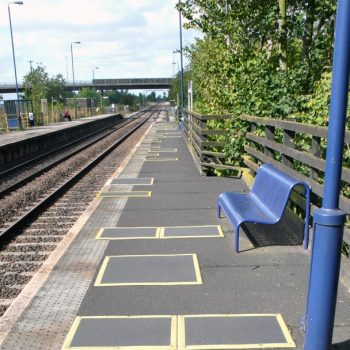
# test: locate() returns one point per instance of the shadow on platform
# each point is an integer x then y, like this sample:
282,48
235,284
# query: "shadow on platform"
288,232
342,346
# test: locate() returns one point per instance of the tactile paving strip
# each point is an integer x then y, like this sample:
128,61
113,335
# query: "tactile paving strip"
147,270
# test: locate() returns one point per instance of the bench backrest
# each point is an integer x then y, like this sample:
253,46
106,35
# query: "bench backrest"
273,188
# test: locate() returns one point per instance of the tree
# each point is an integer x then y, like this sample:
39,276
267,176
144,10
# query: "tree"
38,85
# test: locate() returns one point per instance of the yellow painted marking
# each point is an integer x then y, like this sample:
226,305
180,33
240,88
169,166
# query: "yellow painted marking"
98,282
137,184
160,232
285,330
149,159
163,236
170,136
155,154
124,194
100,232
76,323
164,150
182,334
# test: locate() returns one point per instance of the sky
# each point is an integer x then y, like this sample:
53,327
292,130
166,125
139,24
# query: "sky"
124,38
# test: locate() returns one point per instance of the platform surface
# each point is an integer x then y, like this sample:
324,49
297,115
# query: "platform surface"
178,286
16,135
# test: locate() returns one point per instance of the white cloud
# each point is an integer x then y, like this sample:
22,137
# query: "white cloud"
125,38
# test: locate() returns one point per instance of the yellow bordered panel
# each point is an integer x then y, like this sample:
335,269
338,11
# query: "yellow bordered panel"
102,272
289,343
170,137
102,230
77,322
218,228
150,159
162,150
133,181
124,194
155,154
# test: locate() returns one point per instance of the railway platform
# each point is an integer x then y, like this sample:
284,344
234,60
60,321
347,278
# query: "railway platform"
19,146
150,266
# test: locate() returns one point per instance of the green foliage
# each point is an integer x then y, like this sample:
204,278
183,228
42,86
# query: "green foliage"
235,67
38,85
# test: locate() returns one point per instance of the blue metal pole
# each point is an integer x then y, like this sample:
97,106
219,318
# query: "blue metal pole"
329,220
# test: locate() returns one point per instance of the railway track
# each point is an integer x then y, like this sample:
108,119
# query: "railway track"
15,177
30,237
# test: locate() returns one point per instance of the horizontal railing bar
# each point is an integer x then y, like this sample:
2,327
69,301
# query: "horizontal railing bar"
308,159
314,130
344,203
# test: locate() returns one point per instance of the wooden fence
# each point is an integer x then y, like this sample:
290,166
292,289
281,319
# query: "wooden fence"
270,141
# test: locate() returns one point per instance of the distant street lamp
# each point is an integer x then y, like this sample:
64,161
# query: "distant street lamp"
18,112
71,52
93,73
182,68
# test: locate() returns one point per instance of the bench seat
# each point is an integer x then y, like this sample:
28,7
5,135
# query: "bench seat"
266,202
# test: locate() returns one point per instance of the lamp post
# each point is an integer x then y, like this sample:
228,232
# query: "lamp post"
18,112
182,68
71,53
93,73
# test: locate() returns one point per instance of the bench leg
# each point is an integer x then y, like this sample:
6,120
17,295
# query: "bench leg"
219,211
236,233
307,218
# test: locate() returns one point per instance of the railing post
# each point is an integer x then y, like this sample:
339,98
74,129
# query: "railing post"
316,151
288,137
329,220
270,135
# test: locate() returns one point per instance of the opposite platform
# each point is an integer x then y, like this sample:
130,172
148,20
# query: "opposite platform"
159,271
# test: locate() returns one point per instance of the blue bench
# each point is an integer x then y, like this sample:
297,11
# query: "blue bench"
265,203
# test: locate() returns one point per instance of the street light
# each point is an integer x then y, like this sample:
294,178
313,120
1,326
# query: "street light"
182,68
18,112
93,73
71,52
